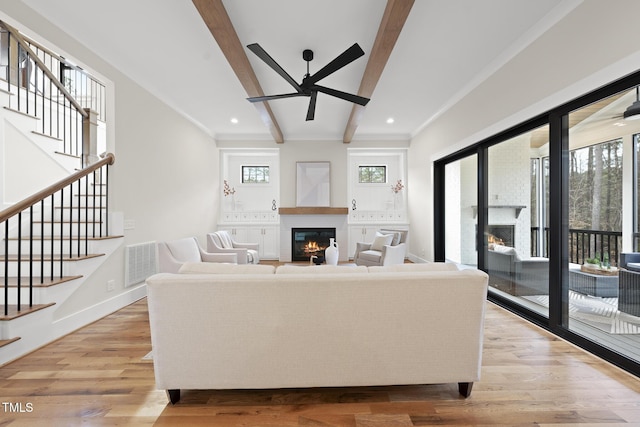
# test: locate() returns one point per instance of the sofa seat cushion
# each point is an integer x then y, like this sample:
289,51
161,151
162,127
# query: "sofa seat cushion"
371,255
220,268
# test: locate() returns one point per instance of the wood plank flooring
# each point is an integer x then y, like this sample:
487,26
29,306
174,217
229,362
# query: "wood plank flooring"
96,376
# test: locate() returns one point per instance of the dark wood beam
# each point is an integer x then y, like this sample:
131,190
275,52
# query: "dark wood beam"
395,15
215,16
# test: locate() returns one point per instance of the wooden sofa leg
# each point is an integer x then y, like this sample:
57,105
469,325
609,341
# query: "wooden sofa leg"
173,395
465,389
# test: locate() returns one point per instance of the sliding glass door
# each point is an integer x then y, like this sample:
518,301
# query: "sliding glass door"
460,206
517,269
548,208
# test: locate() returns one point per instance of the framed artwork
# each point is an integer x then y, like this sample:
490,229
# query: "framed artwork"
313,184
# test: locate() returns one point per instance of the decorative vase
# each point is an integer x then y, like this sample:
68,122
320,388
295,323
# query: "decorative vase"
331,252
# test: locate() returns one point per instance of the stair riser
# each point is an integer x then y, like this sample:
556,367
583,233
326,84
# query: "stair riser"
25,269
58,229
38,248
24,292
80,214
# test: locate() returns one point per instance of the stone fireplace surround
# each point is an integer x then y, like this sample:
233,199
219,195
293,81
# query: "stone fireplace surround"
290,218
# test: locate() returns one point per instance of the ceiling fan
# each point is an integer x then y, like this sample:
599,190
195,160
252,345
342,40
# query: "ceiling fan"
308,87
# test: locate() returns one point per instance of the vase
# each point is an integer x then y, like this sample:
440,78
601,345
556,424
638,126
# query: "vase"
331,252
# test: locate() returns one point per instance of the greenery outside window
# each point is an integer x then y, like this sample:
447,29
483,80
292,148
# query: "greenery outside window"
372,174
255,174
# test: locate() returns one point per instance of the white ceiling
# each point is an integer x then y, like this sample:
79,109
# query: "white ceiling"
445,49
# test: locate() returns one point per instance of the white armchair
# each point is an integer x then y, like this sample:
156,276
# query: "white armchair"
388,248
221,242
172,254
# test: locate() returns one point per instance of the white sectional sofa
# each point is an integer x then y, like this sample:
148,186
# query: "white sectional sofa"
218,326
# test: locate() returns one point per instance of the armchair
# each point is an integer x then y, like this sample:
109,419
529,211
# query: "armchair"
221,242
629,283
388,248
171,255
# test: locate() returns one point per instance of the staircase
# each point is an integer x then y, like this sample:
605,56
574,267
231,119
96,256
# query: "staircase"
54,239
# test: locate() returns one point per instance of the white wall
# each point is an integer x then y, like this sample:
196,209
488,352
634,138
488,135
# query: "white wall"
165,178
593,45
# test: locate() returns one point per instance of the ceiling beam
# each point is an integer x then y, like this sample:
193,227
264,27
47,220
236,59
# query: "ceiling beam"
395,15
215,16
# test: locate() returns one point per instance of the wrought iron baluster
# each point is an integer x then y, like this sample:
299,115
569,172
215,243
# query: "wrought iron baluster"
19,266
6,268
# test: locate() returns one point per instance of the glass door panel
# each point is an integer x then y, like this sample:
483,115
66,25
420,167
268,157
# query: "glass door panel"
515,233
461,201
599,307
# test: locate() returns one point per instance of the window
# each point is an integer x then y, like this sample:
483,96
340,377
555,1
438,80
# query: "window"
255,174
372,174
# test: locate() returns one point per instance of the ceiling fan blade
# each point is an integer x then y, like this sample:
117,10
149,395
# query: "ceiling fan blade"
342,95
345,58
262,54
272,97
311,112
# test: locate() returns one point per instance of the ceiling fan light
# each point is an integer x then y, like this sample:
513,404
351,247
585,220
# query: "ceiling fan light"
633,112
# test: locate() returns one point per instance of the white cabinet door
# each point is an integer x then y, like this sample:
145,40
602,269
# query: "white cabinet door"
267,237
270,246
360,233
239,234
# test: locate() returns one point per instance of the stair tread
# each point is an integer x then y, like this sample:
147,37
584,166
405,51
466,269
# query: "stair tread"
9,341
14,258
47,281
14,313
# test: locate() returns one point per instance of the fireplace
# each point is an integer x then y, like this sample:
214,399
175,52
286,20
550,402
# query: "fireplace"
306,242
502,234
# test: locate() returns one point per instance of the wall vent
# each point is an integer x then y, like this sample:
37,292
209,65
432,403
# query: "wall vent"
141,261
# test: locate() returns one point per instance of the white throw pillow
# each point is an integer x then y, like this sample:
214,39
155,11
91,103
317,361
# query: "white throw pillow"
380,241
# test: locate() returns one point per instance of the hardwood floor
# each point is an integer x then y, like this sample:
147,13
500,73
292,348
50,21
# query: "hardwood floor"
96,376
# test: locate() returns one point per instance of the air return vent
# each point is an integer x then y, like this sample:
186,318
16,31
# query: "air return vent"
141,261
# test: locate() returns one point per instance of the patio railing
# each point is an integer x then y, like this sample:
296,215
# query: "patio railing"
583,244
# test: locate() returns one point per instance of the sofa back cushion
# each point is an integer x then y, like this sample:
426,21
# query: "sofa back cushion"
427,266
507,250
221,268
321,269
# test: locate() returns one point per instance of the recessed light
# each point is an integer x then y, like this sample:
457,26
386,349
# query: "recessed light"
390,120
620,124
234,120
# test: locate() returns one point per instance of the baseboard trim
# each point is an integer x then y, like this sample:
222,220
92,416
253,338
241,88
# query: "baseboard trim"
79,319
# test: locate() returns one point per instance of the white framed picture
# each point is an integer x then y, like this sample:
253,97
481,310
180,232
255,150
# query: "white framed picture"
313,184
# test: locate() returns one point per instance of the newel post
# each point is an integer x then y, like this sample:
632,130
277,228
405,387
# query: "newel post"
89,137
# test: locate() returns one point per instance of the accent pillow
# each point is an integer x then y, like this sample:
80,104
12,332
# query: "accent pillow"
380,241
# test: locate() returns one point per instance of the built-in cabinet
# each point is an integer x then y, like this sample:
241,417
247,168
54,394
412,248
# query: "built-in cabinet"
250,196
266,235
376,205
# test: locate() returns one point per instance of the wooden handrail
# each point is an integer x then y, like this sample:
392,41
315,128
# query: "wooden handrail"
109,159
16,34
